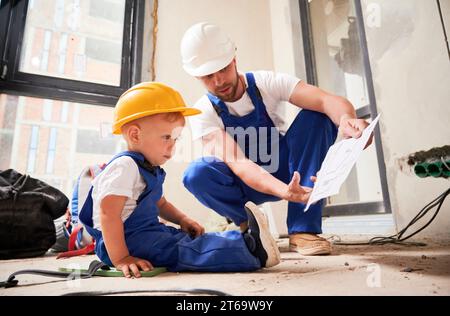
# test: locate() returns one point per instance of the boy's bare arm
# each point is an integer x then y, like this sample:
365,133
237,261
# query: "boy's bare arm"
170,213
113,234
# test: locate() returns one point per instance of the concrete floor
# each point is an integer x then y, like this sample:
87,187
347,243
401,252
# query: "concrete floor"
351,270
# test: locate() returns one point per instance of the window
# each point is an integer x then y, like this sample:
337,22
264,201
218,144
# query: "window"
337,60
8,112
42,62
32,149
89,50
62,53
52,150
109,10
63,64
47,110
90,141
59,13
64,112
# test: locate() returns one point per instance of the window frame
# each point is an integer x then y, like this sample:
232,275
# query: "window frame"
368,111
5,7
12,81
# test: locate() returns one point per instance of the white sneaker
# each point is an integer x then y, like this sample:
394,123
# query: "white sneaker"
262,244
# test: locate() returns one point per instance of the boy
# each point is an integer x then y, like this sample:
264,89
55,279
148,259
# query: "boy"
125,200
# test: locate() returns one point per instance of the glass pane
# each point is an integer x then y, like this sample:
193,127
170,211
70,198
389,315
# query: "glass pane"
337,50
54,143
363,184
74,39
340,70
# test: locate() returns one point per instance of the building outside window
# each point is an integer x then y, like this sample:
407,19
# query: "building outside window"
32,149
75,59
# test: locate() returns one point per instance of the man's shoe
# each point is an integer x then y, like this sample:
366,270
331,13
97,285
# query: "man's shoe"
309,244
258,238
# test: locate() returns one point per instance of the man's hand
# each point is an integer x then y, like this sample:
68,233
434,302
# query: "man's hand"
296,192
353,128
191,227
134,264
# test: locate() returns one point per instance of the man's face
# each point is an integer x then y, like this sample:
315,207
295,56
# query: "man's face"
223,83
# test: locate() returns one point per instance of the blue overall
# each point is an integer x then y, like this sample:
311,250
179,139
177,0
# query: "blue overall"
302,149
166,246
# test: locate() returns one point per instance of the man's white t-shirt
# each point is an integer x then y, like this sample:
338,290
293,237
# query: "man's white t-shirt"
120,177
274,88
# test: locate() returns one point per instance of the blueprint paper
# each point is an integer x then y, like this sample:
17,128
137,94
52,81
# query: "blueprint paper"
338,163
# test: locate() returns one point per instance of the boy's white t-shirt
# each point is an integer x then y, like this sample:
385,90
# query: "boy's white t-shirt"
274,88
120,177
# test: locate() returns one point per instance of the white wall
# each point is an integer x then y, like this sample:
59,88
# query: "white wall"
287,39
411,74
288,57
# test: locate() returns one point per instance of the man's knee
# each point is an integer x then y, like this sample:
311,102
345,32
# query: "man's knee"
197,175
314,118
314,122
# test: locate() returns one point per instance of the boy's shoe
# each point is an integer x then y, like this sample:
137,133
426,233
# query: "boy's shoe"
309,244
258,238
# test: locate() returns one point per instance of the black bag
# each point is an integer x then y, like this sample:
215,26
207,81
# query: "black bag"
27,209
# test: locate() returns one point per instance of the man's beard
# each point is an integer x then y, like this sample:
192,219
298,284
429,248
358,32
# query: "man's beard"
229,97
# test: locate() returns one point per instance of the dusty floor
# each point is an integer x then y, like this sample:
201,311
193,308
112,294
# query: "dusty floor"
351,270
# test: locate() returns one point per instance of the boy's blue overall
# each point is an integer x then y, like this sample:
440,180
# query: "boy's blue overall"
302,149
165,246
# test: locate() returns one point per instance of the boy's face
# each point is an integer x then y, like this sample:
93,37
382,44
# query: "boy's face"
157,137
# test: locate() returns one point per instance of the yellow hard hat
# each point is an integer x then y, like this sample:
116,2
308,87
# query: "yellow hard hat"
146,99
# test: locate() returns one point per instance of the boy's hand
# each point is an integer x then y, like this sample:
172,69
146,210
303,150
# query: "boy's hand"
191,227
134,264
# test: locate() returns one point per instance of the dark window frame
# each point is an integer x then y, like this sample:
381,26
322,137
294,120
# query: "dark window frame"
368,111
12,27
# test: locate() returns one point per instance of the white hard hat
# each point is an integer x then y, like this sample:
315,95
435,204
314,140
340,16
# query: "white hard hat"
205,49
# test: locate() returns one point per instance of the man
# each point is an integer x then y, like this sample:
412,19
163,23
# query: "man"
242,125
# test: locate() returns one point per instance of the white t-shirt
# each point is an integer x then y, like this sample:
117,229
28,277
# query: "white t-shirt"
274,87
120,177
